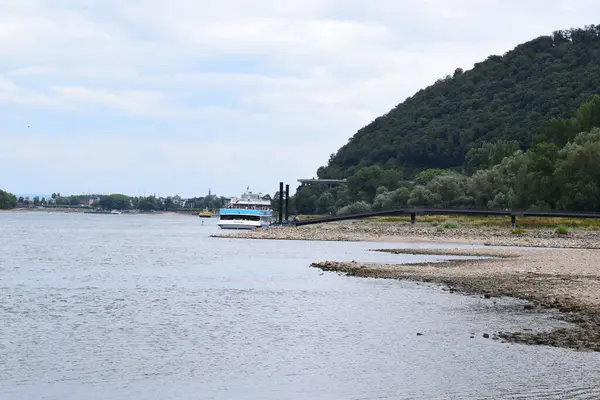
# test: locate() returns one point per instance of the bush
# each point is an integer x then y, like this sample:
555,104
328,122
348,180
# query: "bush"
562,230
355,208
450,225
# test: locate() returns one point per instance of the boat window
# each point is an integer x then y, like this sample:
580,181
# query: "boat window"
240,217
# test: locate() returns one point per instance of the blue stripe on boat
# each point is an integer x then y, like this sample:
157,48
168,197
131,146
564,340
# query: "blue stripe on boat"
242,211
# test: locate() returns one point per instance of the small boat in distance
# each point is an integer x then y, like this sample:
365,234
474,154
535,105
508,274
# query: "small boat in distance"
205,214
246,212
113,212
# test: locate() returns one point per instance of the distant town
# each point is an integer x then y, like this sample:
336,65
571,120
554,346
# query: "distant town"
123,202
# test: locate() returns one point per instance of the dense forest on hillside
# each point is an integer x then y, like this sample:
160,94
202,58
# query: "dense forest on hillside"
559,170
510,98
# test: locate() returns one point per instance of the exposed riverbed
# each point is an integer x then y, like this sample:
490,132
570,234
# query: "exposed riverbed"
567,280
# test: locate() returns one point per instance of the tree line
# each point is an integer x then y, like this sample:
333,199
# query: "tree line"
115,201
7,200
559,170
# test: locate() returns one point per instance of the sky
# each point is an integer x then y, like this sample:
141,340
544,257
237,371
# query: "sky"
182,96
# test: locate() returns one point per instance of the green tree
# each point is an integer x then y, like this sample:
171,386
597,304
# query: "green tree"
7,200
392,199
489,154
169,205
355,208
62,201
447,190
325,203
420,196
115,201
147,204
363,184
577,175
426,176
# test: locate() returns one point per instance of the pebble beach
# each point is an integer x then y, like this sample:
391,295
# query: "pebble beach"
423,232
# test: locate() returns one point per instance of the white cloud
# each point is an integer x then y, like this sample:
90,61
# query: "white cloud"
133,102
248,81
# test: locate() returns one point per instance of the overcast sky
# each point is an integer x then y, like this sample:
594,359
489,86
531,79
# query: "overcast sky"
179,96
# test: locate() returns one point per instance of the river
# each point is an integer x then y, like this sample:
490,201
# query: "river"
150,307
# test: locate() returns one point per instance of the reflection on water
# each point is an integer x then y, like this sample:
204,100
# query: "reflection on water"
123,307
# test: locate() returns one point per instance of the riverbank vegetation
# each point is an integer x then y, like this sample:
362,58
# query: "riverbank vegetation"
521,131
7,200
117,201
559,171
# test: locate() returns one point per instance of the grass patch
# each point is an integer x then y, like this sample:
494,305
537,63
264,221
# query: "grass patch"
518,231
562,230
450,225
477,221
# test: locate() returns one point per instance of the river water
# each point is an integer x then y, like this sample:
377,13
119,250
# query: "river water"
149,307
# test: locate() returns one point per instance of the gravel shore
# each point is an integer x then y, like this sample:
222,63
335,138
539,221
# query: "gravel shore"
567,280
423,232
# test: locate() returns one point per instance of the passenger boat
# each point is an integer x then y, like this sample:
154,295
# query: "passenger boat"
246,212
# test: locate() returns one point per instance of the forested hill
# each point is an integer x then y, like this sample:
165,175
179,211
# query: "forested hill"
508,97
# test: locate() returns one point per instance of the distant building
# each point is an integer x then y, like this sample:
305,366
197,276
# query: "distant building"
188,203
178,201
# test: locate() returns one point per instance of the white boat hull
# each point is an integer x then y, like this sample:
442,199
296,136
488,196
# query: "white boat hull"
239,224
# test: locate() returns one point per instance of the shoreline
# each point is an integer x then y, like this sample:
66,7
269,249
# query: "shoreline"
549,270
390,232
87,210
565,280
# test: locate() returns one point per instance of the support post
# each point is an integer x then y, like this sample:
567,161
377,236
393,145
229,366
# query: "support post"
513,220
287,202
280,202
413,218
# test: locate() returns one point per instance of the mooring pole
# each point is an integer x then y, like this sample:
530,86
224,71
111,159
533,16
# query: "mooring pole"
287,202
513,220
280,202
413,218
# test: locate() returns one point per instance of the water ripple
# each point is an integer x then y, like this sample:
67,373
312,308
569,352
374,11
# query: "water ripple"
100,307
